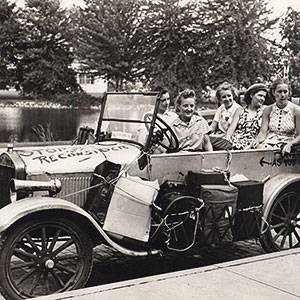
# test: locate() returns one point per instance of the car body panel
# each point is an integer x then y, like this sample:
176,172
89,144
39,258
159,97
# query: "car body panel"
275,185
253,164
17,210
75,158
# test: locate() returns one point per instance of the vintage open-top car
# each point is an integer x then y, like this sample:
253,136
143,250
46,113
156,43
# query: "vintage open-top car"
59,201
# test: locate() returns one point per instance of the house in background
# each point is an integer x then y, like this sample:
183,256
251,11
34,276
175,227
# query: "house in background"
94,86
90,83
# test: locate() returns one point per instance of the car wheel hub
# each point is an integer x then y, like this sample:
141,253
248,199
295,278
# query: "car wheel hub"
49,264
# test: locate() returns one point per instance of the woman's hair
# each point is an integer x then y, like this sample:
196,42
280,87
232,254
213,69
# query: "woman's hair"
225,86
252,90
161,92
185,94
274,85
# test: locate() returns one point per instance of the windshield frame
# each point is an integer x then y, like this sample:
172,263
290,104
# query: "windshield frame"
100,136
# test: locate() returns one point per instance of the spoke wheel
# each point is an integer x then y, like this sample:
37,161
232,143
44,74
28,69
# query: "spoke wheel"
44,256
284,223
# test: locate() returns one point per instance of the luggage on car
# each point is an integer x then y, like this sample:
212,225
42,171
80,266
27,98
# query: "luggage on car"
129,210
194,180
247,220
220,203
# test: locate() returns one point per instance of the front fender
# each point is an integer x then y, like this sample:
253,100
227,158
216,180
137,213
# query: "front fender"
19,209
274,186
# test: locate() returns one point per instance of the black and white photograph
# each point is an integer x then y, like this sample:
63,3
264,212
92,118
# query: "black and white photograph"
149,149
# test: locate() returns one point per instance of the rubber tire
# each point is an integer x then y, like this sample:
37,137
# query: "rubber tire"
266,239
8,240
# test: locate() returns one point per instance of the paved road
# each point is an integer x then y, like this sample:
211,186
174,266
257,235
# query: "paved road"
111,266
258,277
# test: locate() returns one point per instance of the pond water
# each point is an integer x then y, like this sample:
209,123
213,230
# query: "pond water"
16,123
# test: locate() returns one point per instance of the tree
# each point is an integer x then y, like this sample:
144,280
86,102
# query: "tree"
171,55
175,43
235,47
107,39
9,34
45,56
290,34
202,43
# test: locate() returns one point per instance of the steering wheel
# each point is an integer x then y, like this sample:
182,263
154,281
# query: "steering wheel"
163,134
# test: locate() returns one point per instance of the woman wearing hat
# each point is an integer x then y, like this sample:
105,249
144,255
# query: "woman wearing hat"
247,121
281,120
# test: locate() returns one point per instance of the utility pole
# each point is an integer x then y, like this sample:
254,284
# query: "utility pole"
286,68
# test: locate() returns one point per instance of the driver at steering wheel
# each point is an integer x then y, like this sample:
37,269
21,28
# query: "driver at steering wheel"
189,128
163,112
163,108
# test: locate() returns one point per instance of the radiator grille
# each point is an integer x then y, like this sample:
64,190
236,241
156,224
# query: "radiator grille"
71,187
6,174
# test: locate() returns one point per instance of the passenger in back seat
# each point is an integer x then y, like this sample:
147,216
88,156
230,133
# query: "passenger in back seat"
226,94
281,120
246,121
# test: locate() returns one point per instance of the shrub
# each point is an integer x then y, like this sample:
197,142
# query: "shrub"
76,100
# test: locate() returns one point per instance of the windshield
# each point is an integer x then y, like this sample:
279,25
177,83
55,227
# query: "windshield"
122,115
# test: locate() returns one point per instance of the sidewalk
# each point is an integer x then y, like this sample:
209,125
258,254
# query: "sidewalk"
268,276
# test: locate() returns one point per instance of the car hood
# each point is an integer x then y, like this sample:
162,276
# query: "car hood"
76,158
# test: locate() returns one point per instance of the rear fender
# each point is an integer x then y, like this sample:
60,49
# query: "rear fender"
273,187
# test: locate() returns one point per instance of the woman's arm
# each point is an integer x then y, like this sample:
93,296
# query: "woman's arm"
213,127
264,126
233,124
207,144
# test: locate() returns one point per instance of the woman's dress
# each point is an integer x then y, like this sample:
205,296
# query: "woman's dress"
246,130
281,126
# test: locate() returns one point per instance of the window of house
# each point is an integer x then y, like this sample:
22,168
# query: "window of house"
86,78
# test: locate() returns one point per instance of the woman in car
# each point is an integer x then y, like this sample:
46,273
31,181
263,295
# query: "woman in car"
281,120
163,112
226,95
246,121
189,128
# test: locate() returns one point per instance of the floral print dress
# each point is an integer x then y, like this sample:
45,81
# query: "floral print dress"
246,130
